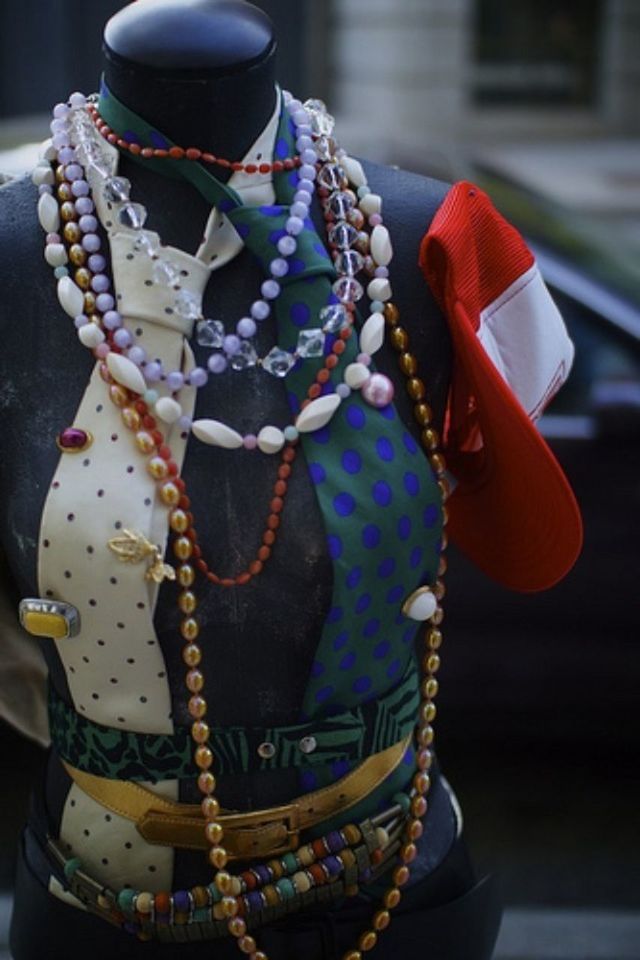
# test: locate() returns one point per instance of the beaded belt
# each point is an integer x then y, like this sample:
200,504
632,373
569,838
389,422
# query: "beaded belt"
321,872
260,833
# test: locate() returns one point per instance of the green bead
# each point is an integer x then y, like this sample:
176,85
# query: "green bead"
125,900
290,433
201,914
290,863
71,866
363,191
403,801
286,889
150,397
377,306
216,896
60,272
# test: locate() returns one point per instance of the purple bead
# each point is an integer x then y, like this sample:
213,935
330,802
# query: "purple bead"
335,842
181,901
137,355
294,226
287,246
80,188
263,873
112,320
308,156
100,283
152,371
184,423
231,344
58,125
304,130
375,220
333,865
122,338
270,289
304,143
382,272
217,363
72,439
91,242
60,111
60,140
44,188
300,210
293,106
246,327
254,901
175,381
73,171
53,238
343,390
378,390
198,377
305,184
77,99
88,223
250,442
302,196
300,117
84,205
279,267
80,321
260,310
104,302
66,155
96,263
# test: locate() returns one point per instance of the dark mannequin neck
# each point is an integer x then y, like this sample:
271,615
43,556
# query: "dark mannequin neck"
203,73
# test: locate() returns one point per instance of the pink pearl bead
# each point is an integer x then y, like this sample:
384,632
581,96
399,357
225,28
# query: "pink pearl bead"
378,390
250,442
53,238
364,358
375,220
102,351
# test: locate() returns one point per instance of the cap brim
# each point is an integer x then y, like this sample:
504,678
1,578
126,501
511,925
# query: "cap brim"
512,512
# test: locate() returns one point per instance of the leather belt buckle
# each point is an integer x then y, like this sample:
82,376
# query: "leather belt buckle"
262,833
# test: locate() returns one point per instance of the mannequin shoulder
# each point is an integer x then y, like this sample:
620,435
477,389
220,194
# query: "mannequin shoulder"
21,237
410,201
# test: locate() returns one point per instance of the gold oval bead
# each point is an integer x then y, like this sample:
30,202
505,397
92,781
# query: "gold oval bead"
178,521
187,601
416,388
392,898
169,493
182,547
60,178
158,469
414,829
432,663
419,806
200,731
391,314
206,782
214,832
237,927
78,256
189,628
439,590
82,277
64,192
195,681
229,906
430,438
186,575
408,852
89,302
429,711
218,857
72,233
131,418
367,940
400,875
197,706
422,413
381,919
408,364
223,882
352,955
431,687
437,462
203,757
445,488
399,338
118,395
425,735
438,616
247,944
68,211
192,654
434,638
210,808
422,782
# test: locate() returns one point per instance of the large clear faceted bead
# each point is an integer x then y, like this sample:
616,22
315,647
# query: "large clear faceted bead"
278,362
349,262
343,235
210,333
322,123
325,147
164,272
348,290
340,203
245,357
116,189
146,243
332,176
132,215
310,343
187,305
333,318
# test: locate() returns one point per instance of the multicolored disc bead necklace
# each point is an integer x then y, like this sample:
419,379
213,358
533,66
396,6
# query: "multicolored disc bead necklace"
230,897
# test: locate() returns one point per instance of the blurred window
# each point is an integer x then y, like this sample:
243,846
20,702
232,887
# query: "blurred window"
537,52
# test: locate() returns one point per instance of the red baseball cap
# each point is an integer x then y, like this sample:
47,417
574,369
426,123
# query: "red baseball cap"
512,510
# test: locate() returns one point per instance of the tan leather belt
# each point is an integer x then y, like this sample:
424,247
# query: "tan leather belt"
260,833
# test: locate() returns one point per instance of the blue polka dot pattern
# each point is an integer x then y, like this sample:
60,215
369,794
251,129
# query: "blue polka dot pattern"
384,449
321,436
416,557
371,536
348,661
354,577
344,504
296,266
430,516
317,472
404,527
309,781
386,568
317,669
334,615
300,314
355,417
351,461
340,768
361,685
411,484
158,141
381,493
335,546
381,649
396,594
371,627
324,693
341,640
409,442
363,603
271,210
